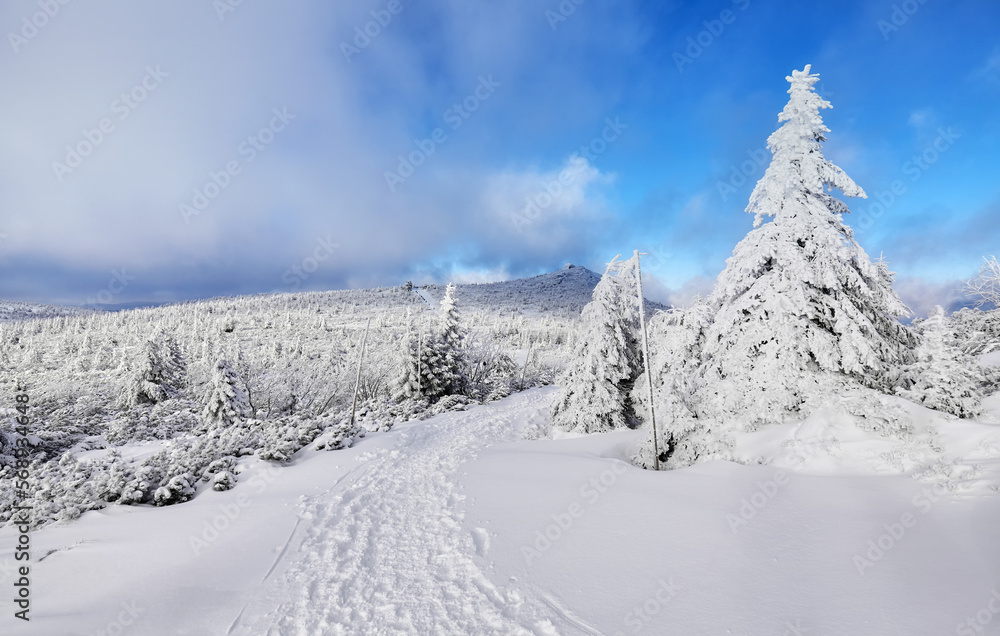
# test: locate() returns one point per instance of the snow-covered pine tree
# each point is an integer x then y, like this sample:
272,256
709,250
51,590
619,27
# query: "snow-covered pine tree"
433,378
605,363
450,342
175,369
407,382
143,382
441,359
799,304
159,373
943,377
225,400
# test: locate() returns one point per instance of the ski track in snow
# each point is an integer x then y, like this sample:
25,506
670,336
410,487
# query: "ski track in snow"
387,553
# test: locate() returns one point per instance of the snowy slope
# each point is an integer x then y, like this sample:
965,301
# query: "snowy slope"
565,291
458,525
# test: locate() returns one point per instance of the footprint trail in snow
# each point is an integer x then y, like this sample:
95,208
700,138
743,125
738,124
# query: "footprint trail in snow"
385,552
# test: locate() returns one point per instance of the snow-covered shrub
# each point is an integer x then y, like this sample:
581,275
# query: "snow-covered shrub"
341,435
489,371
178,490
149,422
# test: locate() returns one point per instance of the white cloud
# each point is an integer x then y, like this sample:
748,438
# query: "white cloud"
534,202
922,295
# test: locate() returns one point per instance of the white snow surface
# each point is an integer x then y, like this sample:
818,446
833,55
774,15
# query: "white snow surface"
459,525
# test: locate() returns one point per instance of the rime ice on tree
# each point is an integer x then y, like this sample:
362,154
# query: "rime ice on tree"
605,362
799,304
225,401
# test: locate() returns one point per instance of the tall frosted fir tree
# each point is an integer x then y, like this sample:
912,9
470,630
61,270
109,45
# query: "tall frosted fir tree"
606,361
800,306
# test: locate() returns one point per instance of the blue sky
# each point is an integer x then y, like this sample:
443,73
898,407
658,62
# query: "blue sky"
165,151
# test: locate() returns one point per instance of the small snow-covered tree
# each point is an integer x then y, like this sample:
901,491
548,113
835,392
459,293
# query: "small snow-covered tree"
450,342
159,374
606,360
406,385
442,357
225,401
799,304
943,377
434,376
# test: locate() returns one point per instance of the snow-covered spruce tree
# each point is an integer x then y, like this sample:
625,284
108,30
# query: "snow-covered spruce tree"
451,340
407,384
225,401
799,305
606,360
159,374
943,377
434,379
442,355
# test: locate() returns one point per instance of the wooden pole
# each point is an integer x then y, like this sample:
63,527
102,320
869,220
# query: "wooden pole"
357,381
420,351
645,355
